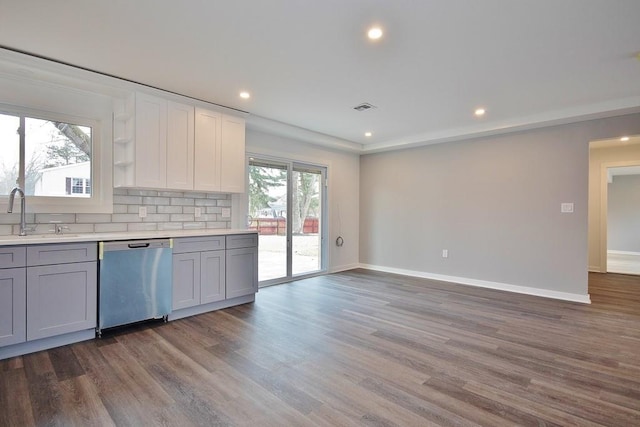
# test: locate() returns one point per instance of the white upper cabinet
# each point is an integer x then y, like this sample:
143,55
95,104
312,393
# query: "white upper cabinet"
150,142
180,144
232,173
164,144
207,160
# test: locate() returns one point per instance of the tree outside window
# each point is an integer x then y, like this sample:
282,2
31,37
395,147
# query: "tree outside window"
53,151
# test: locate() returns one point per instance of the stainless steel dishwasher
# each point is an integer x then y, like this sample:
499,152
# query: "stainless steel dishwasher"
134,281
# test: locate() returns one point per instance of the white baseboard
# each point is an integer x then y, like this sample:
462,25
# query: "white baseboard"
623,262
594,269
546,293
628,253
340,268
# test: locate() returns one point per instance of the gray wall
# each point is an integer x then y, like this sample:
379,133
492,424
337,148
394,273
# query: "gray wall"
494,203
623,215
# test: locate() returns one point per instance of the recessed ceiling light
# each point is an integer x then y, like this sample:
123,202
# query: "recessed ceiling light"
374,33
245,95
368,134
624,139
479,112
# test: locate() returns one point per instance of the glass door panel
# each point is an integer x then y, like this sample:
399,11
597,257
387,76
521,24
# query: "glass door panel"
267,215
306,220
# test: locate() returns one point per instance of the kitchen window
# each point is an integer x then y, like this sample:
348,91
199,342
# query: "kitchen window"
39,155
56,159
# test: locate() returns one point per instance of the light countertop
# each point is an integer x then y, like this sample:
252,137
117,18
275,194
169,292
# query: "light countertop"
40,238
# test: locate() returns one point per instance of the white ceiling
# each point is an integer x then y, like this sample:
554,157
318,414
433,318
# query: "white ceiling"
308,63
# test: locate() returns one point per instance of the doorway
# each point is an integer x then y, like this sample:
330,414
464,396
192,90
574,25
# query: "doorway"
623,220
287,206
612,162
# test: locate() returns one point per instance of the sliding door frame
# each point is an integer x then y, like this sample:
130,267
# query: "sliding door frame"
291,166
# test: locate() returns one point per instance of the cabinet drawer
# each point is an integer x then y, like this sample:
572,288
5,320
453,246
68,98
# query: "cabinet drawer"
61,253
13,256
198,244
237,241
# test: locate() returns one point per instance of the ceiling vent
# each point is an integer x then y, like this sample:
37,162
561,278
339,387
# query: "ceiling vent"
364,107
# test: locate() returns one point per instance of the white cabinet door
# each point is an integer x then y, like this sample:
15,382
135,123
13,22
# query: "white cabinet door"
151,142
180,144
207,150
61,298
13,308
212,277
242,272
186,280
232,166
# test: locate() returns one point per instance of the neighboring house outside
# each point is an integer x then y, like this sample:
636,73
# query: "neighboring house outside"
72,180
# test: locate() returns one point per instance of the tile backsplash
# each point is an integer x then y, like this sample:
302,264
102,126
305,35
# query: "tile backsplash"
166,210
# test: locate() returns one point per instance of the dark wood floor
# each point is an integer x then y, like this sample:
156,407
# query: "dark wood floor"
356,348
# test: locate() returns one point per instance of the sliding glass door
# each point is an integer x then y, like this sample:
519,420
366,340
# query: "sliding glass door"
287,208
306,224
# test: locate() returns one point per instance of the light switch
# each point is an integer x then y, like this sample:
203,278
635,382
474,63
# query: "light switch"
445,253
197,212
566,207
226,212
142,211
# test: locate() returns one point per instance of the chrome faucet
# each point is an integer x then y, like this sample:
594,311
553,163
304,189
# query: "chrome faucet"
23,218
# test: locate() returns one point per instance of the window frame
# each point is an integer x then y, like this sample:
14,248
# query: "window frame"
101,199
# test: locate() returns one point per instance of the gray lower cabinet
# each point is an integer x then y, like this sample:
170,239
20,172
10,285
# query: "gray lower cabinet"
13,295
46,291
61,298
13,307
242,265
210,271
198,273
212,276
186,280
62,289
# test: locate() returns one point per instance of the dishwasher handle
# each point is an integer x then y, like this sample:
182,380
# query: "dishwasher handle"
138,245
132,245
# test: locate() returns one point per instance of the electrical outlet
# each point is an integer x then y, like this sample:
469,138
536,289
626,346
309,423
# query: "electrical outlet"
197,212
226,212
566,207
445,253
142,211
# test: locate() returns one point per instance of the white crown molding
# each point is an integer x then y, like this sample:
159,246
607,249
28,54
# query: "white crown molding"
553,118
546,293
601,110
273,127
47,72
